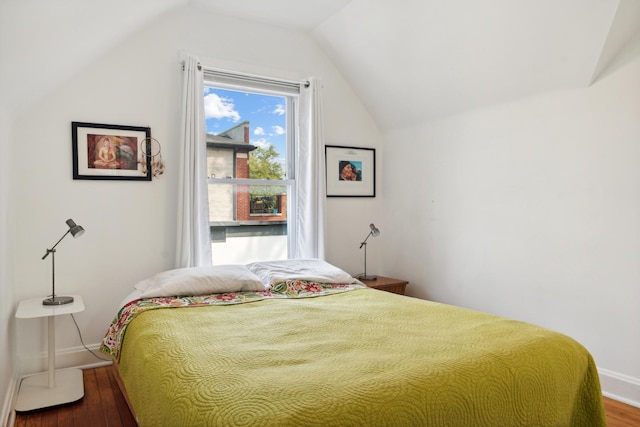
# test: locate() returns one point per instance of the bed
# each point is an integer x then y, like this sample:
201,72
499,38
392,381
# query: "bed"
302,343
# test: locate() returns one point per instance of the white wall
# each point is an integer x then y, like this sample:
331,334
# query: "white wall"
130,225
530,210
7,322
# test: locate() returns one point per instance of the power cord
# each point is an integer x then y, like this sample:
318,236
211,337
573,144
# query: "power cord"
83,344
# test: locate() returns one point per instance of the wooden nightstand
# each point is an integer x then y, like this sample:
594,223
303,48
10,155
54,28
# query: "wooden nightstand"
387,284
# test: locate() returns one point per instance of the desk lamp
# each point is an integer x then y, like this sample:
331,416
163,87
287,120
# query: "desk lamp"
373,232
76,231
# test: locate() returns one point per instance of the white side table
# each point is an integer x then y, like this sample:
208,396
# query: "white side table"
53,387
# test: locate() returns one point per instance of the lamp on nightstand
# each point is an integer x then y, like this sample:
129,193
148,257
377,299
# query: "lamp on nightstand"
373,232
76,231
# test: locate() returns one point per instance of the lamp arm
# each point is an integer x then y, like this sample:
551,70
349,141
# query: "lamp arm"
365,240
54,246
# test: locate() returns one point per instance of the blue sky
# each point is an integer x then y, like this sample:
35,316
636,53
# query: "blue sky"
224,109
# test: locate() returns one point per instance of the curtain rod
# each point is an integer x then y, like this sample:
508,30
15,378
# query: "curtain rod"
251,77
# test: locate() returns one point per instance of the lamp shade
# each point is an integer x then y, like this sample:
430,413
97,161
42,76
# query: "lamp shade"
77,230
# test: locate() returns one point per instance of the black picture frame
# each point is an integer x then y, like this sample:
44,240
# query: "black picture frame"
350,171
110,152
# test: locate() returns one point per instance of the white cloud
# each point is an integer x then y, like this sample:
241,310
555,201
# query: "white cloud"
261,142
258,131
219,108
278,130
280,110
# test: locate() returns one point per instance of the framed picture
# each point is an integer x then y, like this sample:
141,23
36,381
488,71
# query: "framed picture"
351,171
110,152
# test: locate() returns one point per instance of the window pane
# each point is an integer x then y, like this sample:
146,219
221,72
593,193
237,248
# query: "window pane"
248,222
249,195
254,119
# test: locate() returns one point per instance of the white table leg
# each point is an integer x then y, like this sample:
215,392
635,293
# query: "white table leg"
52,351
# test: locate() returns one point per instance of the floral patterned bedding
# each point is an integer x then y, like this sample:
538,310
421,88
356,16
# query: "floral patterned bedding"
286,289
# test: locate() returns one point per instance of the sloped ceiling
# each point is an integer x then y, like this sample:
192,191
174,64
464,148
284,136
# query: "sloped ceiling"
414,60
408,60
45,43
296,14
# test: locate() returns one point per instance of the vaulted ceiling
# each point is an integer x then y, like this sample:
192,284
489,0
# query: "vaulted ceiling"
408,60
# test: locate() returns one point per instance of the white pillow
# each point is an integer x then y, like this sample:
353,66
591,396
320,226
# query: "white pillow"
200,281
312,269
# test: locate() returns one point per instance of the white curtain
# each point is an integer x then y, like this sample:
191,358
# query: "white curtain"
193,246
310,174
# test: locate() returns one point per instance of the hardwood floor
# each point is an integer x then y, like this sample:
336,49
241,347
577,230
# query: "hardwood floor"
104,405
621,415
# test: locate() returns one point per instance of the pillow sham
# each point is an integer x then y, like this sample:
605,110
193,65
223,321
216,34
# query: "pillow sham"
311,269
200,281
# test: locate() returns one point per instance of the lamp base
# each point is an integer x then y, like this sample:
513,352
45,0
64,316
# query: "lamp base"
57,301
365,277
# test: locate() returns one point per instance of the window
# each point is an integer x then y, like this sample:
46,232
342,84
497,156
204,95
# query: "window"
250,126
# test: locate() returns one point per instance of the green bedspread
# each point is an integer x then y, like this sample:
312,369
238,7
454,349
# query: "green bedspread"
357,358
